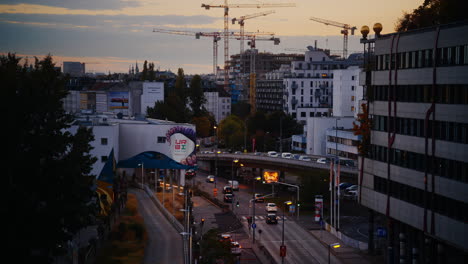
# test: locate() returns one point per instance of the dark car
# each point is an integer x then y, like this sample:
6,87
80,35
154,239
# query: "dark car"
228,197
259,198
227,189
271,219
190,174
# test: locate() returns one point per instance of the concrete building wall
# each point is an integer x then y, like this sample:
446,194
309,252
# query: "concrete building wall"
316,132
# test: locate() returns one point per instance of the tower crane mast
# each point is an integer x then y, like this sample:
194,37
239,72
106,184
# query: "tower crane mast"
345,31
226,7
241,22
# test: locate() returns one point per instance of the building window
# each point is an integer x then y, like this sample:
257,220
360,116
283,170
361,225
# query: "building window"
103,141
353,78
352,108
352,98
352,88
161,139
303,114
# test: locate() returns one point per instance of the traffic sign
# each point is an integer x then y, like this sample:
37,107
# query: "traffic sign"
254,225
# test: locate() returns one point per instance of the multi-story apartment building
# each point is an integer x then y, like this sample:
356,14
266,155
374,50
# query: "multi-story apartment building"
416,173
218,103
309,88
269,97
75,69
346,91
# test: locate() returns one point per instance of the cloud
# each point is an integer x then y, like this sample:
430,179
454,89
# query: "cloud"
78,4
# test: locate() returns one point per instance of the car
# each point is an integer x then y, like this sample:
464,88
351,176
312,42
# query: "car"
234,185
295,156
344,185
351,188
272,154
190,174
235,248
271,219
258,154
304,158
210,178
238,152
271,207
225,238
286,155
227,189
323,161
228,197
259,198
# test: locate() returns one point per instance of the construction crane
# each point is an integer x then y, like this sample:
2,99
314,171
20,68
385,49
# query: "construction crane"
253,75
241,22
344,31
226,7
216,36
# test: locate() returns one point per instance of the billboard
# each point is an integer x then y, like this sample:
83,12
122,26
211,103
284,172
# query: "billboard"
118,100
182,144
270,176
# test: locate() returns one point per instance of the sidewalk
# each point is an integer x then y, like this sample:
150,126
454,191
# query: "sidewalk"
346,254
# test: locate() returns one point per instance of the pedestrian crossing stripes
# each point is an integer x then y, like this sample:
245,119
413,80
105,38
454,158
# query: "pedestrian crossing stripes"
260,217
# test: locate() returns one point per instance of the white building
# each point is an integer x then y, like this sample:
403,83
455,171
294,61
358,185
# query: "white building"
218,105
346,91
152,92
342,142
316,132
309,88
415,174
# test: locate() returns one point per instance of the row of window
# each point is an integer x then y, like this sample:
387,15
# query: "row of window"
342,154
343,141
311,114
447,168
313,84
441,204
448,56
445,94
447,131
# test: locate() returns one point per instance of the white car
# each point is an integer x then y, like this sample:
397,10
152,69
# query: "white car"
323,161
304,158
271,207
272,154
235,248
286,155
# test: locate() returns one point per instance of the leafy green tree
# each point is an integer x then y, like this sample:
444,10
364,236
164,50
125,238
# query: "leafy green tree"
181,86
430,13
212,249
231,132
151,72
197,97
203,125
48,194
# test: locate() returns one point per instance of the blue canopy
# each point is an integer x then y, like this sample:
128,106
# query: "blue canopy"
152,160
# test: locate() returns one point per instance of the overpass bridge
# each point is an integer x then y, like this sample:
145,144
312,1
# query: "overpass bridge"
270,163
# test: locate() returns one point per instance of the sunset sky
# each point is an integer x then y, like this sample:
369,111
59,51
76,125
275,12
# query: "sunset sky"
109,35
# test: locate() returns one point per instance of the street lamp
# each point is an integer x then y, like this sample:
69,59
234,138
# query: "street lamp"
334,245
287,203
216,155
232,179
142,172
254,200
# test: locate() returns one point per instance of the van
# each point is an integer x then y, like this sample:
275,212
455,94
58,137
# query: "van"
286,155
273,154
234,185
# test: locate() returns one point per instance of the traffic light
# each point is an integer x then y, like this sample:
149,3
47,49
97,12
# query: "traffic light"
298,204
237,204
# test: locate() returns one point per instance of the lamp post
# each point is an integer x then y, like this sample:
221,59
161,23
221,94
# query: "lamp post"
253,208
232,180
287,203
142,173
216,155
337,188
334,245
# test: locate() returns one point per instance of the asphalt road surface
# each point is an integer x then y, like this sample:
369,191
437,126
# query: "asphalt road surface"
302,247
164,242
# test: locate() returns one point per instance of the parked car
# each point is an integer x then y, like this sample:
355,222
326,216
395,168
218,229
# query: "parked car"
344,185
234,185
238,152
286,155
272,154
228,197
259,198
227,189
351,188
271,219
271,207
210,178
304,158
296,156
235,248
258,154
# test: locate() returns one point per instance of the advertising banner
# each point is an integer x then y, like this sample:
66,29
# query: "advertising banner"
118,100
182,145
270,176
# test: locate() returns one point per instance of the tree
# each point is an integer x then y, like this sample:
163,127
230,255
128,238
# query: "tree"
231,132
49,195
203,126
144,73
197,97
430,13
151,72
181,86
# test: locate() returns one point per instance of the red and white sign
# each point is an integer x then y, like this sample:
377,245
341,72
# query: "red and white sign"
181,147
318,208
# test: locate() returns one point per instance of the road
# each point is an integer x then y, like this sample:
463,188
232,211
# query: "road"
164,242
302,247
